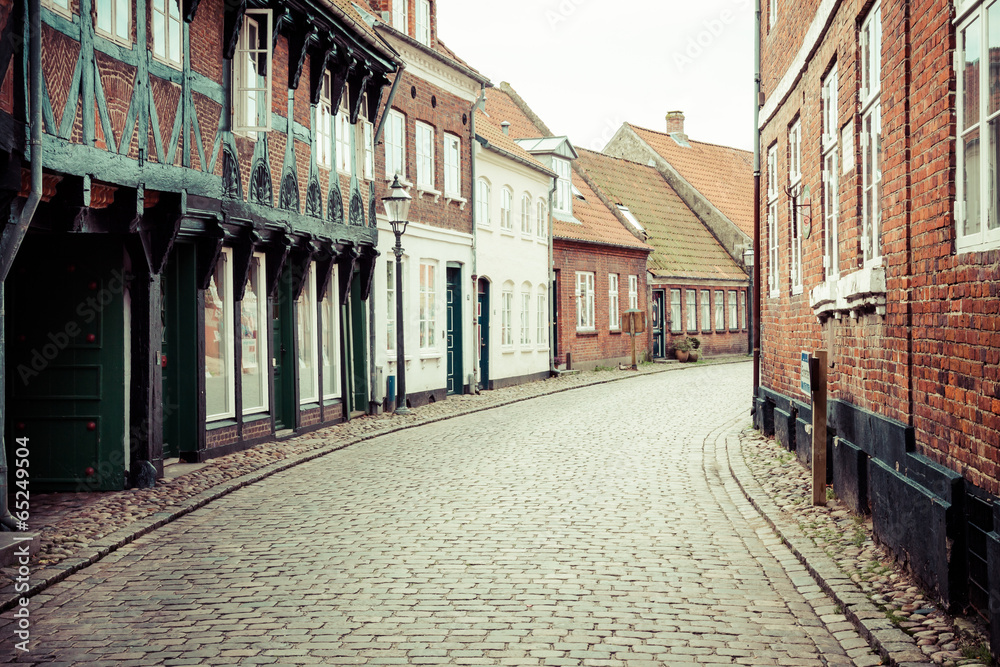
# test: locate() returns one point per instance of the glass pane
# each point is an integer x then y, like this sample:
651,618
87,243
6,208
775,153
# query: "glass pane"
217,350
970,75
175,40
993,220
253,364
174,7
159,35
121,20
305,311
970,181
331,347
104,15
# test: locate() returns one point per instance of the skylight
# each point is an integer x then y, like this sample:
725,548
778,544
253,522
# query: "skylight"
631,218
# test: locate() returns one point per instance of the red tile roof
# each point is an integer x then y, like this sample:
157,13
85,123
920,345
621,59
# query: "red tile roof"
500,107
721,174
597,224
684,247
491,132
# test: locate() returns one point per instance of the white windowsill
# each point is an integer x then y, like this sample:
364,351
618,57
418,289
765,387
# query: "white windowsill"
456,198
865,289
421,191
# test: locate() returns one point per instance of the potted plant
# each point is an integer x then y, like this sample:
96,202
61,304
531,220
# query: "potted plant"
682,350
693,353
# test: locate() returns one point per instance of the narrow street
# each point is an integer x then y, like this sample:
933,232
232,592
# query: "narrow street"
598,526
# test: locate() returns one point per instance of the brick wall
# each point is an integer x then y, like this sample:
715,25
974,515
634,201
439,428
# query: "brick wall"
714,341
309,417
220,437
601,346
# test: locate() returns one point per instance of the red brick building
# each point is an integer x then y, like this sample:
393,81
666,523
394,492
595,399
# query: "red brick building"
879,242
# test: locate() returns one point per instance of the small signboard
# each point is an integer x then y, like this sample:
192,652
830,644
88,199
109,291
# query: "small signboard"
804,375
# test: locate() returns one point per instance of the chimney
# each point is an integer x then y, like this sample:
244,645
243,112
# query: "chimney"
505,126
675,122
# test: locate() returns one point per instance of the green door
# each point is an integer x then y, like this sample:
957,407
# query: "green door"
456,384
179,353
282,349
65,327
358,310
483,304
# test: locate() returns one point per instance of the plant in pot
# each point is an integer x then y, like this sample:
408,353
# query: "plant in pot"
695,344
682,350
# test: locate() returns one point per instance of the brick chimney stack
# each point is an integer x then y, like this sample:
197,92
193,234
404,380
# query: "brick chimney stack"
675,122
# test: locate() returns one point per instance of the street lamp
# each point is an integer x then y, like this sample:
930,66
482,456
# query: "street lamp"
397,207
748,263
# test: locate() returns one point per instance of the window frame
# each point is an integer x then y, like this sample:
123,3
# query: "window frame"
424,147
452,165
871,133
542,318
307,311
241,91
330,334
506,204
526,227
507,315
401,18
773,250
614,309
706,310
422,25
525,315
324,123
676,312
60,7
734,316
227,337
172,25
633,292
831,174
541,219
258,264
564,183
483,196
795,209
428,305
585,282
390,297
367,131
395,145
112,9
720,310
343,133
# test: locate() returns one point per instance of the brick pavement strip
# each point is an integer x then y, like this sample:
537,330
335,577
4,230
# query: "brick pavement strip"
528,534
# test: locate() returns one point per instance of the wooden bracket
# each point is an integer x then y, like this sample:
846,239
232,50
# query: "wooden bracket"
356,90
325,260
243,247
158,227
345,66
368,259
276,253
318,64
298,47
190,8
232,23
348,266
208,249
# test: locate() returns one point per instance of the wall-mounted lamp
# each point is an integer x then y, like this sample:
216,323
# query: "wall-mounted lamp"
802,203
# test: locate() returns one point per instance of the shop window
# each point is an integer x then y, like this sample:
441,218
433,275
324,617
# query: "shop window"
330,312
254,325
305,310
219,357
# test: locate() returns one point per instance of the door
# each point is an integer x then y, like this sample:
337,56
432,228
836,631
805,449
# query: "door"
358,341
179,353
483,318
282,366
659,341
456,384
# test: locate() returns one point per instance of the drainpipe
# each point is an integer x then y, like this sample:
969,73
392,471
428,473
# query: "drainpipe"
757,329
27,213
388,104
552,283
475,238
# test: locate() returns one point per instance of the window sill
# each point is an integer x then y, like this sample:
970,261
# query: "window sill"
796,290
402,181
426,356
854,293
423,190
456,198
507,232
213,423
169,63
256,415
774,294
614,332
586,332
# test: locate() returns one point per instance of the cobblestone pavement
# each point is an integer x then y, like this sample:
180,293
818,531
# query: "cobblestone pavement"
599,526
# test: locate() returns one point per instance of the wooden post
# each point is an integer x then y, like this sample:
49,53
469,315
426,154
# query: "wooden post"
818,378
631,334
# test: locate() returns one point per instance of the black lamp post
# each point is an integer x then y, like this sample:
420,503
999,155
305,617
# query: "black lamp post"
748,263
397,207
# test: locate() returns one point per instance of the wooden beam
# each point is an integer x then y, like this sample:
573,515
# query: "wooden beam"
243,249
348,267
232,23
368,259
817,377
358,86
299,42
318,63
325,260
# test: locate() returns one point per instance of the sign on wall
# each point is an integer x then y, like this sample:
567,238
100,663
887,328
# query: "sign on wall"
804,375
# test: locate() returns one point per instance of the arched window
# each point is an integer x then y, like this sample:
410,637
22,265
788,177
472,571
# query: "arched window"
483,202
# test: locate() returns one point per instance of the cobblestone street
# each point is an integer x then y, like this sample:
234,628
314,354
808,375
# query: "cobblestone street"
598,526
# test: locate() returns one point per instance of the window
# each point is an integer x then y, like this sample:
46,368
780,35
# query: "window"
58,6
252,73
507,315
167,31
720,310
254,334
614,312
541,319
871,136
772,13
423,22
114,20
390,298
831,182
219,358
584,301
305,311
795,214
733,311
978,180
506,201
369,148
743,310
330,312
343,138
400,16
526,315
633,292
691,307
428,305
564,191
483,202
425,156
772,221
452,166
541,220
324,124
395,145
706,311
676,323
526,214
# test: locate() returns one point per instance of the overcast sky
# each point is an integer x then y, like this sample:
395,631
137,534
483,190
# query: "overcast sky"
587,66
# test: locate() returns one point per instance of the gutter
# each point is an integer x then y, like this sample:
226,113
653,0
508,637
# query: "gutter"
21,229
755,328
475,239
553,296
388,104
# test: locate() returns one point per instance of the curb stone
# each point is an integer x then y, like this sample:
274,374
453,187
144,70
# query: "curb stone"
108,544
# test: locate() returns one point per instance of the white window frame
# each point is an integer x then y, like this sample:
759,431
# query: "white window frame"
306,311
227,338
423,23
526,215
743,309
720,310
871,134
691,309
614,310
541,220
330,309
773,250
676,314
831,175
507,315
452,166
506,204
633,292
795,212
424,143
706,310
734,317
977,218
401,16
390,312
772,13
395,146
59,6
428,305
368,147
483,202
585,301
344,132
113,20
242,89
168,48
324,123
542,318
526,315
263,333
564,185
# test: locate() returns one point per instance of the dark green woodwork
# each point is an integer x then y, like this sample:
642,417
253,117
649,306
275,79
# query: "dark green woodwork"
483,304
659,324
456,382
359,346
283,353
346,272
299,42
65,361
232,23
180,354
322,54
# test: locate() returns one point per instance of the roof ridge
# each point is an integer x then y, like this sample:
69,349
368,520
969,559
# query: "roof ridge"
615,157
690,140
519,102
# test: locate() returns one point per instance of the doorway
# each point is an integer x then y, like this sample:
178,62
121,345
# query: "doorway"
456,383
659,340
483,318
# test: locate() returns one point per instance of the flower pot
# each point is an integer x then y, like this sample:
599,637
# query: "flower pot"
693,355
682,355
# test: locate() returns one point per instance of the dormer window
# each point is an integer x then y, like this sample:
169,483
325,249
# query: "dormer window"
400,15
564,202
252,73
423,33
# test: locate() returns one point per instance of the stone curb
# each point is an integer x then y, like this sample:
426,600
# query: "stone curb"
891,643
10,598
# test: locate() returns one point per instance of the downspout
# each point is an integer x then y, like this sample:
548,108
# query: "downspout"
27,213
388,104
552,283
476,349
756,328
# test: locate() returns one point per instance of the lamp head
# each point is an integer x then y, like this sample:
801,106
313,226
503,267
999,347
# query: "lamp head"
397,206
